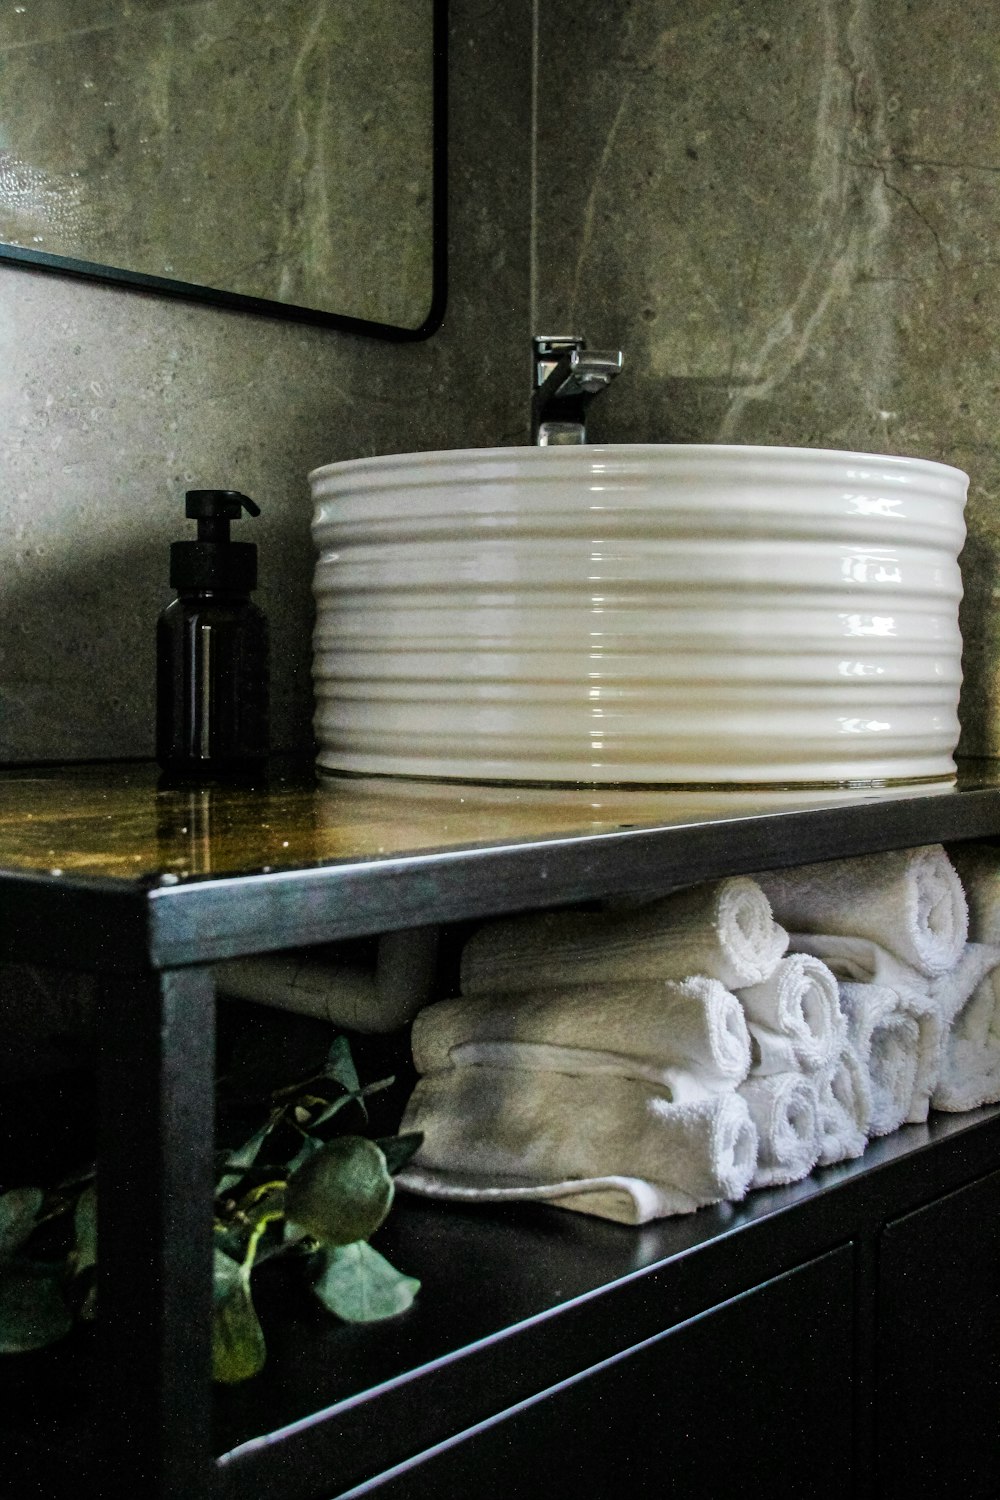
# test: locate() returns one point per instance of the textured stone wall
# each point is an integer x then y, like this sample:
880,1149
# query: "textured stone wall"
280,150
112,402
788,216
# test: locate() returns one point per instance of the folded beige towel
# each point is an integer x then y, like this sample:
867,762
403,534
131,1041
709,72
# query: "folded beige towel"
910,901
722,929
626,1200
545,1129
649,1029
794,1017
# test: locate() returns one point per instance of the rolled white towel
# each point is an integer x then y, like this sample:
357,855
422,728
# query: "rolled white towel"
783,1107
654,1030
953,991
794,1017
910,901
886,1040
860,960
721,929
978,867
844,1108
546,1129
970,1065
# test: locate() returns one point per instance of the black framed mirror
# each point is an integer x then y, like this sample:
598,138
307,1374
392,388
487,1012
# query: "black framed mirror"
279,156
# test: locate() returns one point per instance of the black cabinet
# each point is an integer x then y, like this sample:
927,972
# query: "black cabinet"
938,1405
752,1397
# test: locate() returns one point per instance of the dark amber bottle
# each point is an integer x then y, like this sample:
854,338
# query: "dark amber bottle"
212,699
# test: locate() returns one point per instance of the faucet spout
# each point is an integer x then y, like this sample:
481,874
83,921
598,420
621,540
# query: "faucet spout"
568,376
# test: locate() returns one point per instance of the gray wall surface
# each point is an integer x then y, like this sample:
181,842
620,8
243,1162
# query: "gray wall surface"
113,402
788,216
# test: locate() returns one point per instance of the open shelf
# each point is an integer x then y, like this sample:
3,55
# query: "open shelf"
103,868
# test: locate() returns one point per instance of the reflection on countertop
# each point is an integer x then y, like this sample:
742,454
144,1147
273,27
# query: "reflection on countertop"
121,821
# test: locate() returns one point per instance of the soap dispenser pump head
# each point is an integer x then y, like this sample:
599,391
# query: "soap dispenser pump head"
214,562
214,509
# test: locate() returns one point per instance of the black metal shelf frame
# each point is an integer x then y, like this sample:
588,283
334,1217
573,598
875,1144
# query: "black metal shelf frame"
152,942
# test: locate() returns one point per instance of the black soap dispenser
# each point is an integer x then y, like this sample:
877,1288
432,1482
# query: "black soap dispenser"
212,715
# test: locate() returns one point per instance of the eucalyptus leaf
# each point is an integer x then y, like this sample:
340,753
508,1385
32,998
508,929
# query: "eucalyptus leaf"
360,1285
239,1162
85,1229
343,1192
340,1065
18,1212
334,1107
32,1311
399,1149
310,1145
238,1349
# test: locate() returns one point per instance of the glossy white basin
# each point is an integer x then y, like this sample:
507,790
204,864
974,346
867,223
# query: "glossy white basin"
639,614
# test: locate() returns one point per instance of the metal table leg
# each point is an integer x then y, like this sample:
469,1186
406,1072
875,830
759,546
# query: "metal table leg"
155,1177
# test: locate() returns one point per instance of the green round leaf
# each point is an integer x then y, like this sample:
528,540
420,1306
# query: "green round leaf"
238,1349
361,1286
18,1210
85,1229
32,1312
342,1193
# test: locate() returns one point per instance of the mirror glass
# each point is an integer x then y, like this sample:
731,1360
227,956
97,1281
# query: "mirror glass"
281,151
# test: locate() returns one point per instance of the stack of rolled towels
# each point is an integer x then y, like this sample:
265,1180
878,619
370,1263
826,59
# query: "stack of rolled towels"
647,1060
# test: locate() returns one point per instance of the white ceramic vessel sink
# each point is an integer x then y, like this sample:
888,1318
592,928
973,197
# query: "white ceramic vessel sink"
639,614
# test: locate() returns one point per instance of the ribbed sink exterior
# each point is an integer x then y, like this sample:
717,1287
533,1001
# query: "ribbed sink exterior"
639,614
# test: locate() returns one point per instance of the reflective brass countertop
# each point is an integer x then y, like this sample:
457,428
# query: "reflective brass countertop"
119,821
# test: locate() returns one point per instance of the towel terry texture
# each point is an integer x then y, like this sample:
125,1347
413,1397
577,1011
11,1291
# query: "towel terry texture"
681,1033
910,901
978,868
627,1200
722,929
860,960
648,1060
794,1017
970,1064
547,1128
783,1107
844,1108
886,1040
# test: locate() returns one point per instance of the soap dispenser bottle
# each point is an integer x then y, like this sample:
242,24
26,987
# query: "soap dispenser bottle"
212,716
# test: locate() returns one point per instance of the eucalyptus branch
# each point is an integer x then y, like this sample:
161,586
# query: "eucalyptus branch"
317,1208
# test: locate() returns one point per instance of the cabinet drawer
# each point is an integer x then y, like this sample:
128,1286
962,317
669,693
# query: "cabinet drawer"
939,1348
752,1397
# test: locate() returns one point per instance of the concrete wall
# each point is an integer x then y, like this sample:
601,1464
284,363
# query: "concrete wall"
788,216
112,402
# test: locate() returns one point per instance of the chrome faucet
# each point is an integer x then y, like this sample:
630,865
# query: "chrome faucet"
568,376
